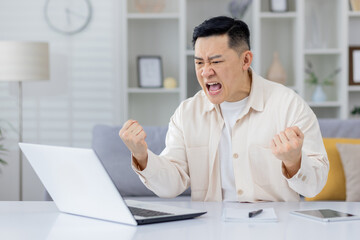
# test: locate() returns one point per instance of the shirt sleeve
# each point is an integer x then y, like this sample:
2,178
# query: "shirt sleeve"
167,174
312,175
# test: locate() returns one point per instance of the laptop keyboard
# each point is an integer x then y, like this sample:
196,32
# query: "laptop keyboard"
146,212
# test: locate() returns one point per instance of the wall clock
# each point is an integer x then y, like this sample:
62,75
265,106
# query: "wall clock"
68,16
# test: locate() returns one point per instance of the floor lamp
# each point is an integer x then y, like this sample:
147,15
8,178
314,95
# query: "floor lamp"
22,62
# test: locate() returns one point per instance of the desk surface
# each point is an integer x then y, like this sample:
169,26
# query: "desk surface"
41,220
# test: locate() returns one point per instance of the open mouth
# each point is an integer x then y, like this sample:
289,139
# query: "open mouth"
213,88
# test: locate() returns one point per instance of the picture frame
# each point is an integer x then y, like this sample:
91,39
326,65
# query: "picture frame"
150,73
354,65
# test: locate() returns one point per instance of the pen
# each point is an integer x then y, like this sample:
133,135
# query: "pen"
255,213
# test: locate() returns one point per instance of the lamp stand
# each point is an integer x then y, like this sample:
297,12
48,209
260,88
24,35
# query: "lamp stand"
20,140
23,61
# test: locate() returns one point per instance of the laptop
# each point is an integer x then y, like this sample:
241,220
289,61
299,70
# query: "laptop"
79,184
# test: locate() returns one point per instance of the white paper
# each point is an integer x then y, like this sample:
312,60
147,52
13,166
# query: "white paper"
242,215
356,66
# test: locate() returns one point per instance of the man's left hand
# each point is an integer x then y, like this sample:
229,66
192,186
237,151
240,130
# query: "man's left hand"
287,146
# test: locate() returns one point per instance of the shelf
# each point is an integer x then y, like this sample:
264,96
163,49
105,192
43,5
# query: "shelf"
153,90
354,14
153,16
271,15
325,104
354,88
328,51
305,37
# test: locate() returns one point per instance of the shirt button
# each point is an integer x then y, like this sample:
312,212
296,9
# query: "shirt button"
236,155
240,192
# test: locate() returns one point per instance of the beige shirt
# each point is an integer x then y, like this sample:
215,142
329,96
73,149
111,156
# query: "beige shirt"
191,153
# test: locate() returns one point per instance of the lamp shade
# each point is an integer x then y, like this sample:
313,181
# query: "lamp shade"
24,61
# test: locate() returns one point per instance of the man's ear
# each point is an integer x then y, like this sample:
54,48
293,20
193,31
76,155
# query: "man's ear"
248,56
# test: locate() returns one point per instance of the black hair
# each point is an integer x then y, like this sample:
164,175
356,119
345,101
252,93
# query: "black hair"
237,30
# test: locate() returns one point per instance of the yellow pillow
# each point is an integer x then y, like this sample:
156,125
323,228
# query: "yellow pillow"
335,188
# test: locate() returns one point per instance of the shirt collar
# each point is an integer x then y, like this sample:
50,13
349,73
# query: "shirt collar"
256,96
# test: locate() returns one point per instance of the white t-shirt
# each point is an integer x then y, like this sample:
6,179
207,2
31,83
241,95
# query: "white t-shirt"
230,112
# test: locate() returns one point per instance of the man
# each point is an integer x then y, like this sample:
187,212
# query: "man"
242,138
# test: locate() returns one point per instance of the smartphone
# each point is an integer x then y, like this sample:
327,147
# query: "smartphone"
326,215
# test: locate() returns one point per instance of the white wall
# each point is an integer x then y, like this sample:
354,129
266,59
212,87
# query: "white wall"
84,88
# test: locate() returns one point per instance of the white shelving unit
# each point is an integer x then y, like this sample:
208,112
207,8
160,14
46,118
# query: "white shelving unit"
319,31
325,104
271,15
354,14
311,31
354,89
147,33
287,26
353,34
148,16
153,90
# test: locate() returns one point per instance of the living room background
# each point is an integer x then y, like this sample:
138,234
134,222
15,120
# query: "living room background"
83,89
94,75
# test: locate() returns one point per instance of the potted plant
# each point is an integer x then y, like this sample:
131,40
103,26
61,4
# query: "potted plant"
355,111
319,94
3,150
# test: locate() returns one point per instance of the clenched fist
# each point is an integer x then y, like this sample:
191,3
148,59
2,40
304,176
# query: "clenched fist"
287,146
133,135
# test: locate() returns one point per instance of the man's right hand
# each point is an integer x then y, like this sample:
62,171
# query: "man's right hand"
133,135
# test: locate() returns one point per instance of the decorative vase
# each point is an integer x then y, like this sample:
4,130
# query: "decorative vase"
238,8
355,5
319,94
276,72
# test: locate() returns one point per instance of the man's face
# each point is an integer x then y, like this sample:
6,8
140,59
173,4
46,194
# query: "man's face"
220,70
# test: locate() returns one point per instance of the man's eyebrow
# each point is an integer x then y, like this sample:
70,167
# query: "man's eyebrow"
216,56
210,58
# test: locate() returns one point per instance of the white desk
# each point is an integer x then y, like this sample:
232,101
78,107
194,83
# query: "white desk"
41,220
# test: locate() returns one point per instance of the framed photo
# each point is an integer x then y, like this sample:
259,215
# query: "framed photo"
354,65
150,71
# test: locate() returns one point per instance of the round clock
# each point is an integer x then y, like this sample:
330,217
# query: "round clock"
68,16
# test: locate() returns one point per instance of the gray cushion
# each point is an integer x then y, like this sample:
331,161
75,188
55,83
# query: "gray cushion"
116,158
335,128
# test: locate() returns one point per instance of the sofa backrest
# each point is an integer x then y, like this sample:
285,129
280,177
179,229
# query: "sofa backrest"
116,158
335,128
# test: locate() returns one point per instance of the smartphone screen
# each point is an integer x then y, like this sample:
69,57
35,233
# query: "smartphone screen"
326,213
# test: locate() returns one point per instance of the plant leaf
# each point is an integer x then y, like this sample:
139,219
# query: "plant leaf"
3,162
